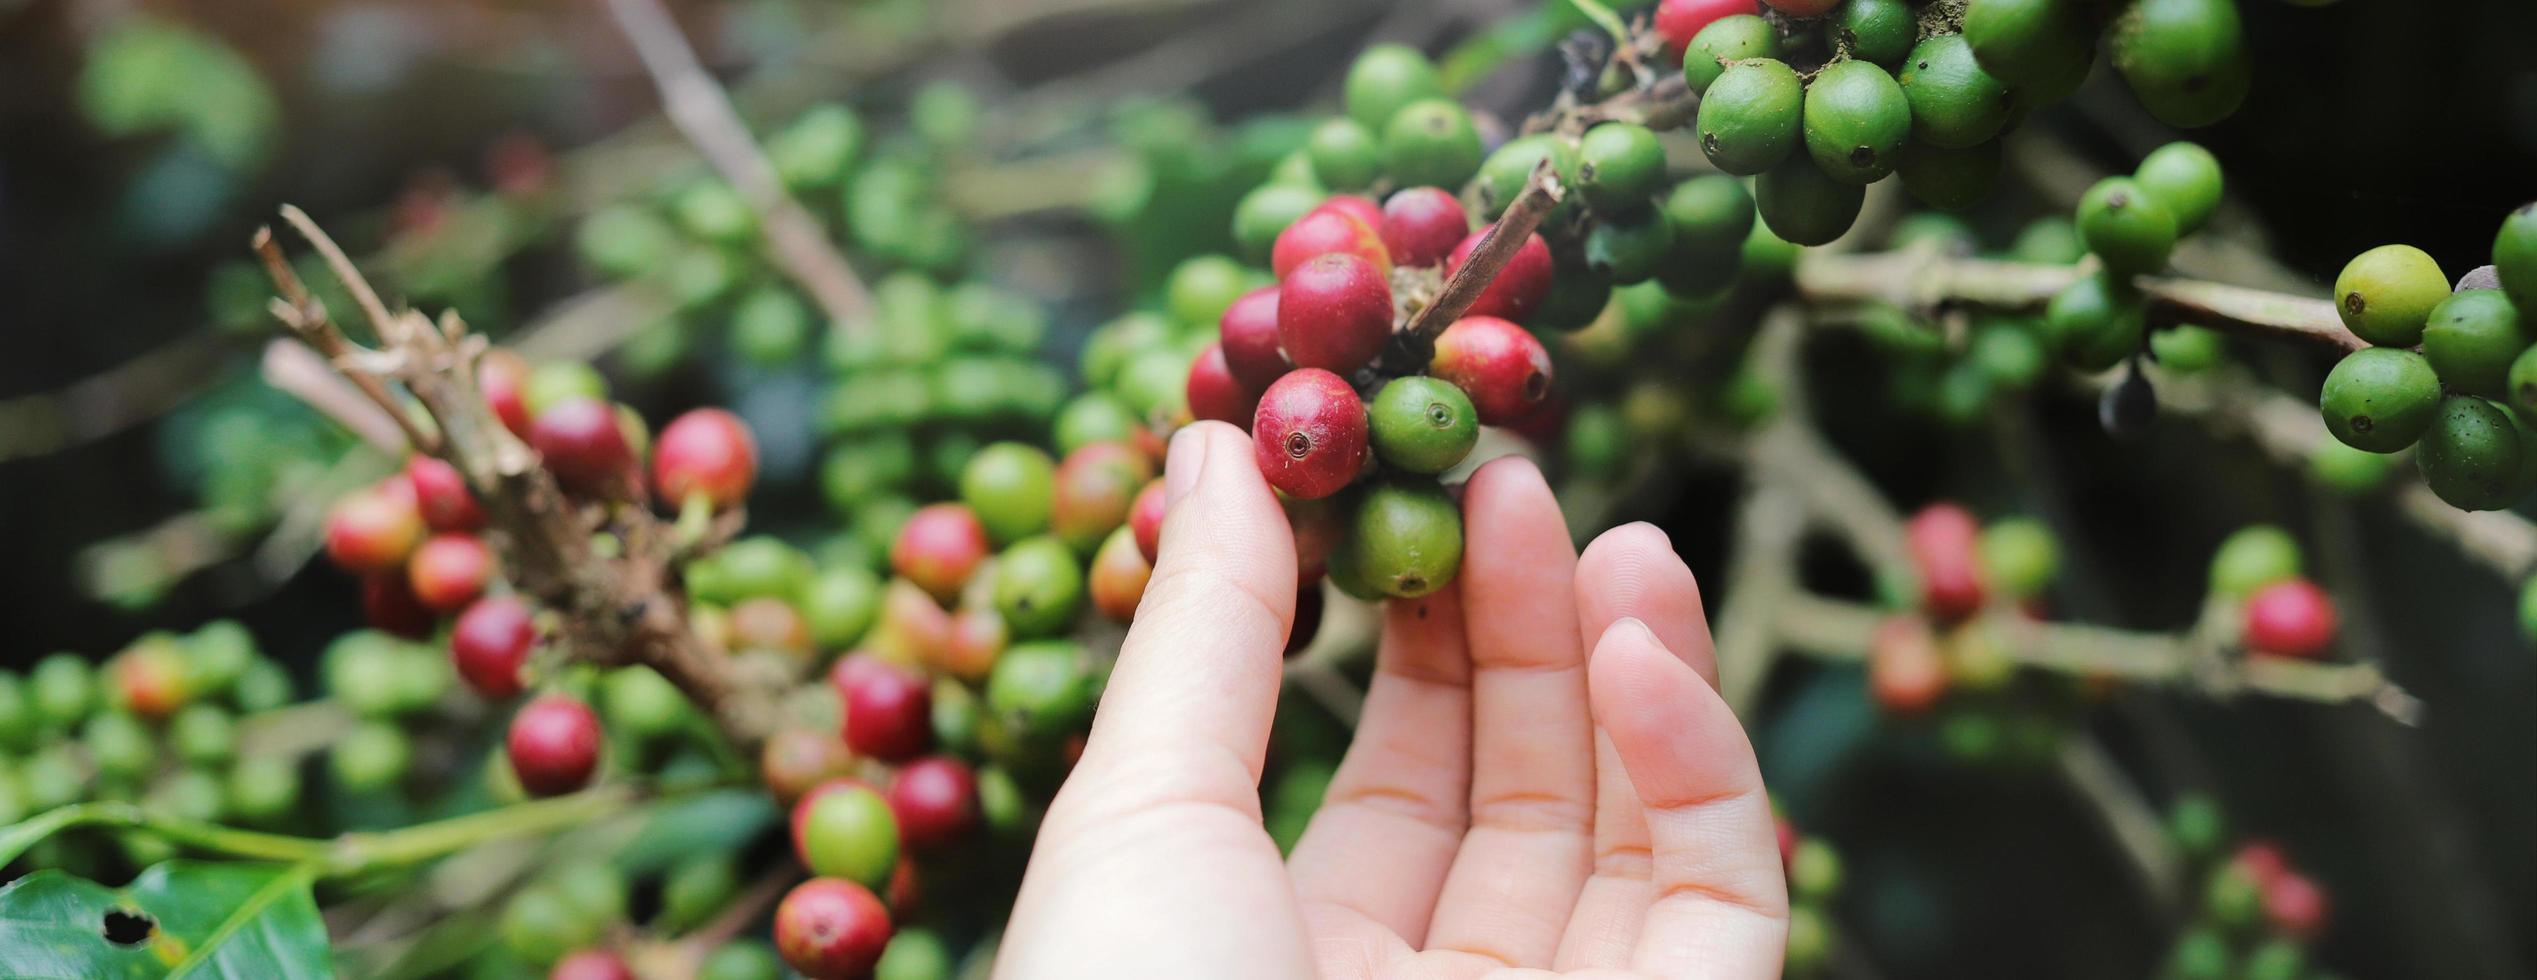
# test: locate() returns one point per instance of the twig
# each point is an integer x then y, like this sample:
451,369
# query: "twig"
307,319
2126,817
1924,280
114,399
703,112
294,369
1542,192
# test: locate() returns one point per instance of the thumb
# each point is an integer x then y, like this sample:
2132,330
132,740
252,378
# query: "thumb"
1197,678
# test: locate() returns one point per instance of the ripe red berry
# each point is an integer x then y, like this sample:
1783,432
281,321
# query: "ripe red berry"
591,964
969,648
374,530
1248,333
503,377
1309,436
707,451
584,444
1096,485
449,571
489,644
1323,231
889,709
2292,618
1118,577
1214,393
1500,365
796,759
2295,905
1678,20
2262,860
441,494
554,745
1355,206
912,622
1906,674
939,547
1421,225
1145,518
150,680
1334,312
389,605
1520,284
935,801
1943,541
831,929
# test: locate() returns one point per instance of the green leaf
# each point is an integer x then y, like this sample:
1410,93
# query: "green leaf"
177,918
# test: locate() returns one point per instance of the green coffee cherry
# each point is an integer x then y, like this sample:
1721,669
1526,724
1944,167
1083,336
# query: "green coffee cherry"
540,926
2094,323
741,959
1733,38
625,241
849,833
2471,339
1431,143
818,149
1422,424
1878,31
2380,399
914,954
1955,103
1009,486
2127,227
711,210
1040,692
62,688
2251,558
202,734
1621,248
263,789
1855,121
370,758
1809,945
1405,538
119,746
1506,171
1385,79
1266,211
1712,216
2187,349
1598,441
695,888
2470,456
18,722
188,794
2200,954
2386,294
1039,586
2515,257
2197,826
2049,240
1094,417
2027,42
1814,872
840,606
2185,178
2347,470
2278,958
1620,167
1201,286
1751,119
2019,557
638,702
1804,205
1345,155
771,327
2185,59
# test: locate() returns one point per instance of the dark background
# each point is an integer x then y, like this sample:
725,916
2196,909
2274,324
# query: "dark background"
2371,121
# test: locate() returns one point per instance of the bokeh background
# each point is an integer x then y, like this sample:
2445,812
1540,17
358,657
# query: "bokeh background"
147,473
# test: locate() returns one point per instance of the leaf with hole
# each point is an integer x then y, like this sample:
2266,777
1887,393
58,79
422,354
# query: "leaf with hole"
178,918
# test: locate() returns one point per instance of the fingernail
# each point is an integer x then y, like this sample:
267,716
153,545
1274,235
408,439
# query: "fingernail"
1182,463
1638,630
1657,531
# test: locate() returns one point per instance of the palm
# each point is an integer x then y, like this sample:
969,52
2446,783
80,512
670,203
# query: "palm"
1537,782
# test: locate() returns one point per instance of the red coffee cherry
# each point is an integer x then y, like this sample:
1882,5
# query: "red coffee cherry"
1942,539
796,759
768,623
1334,312
2292,618
1248,333
831,929
554,745
389,605
2295,905
1118,577
441,494
935,800
1421,225
150,680
1096,485
707,451
503,377
2262,860
970,646
1678,20
1145,518
1500,365
1308,607
1520,284
449,571
1906,674
913,622
591,964
1325,230
584,444
490,643
1309,436
889,709
1356,206
938,548
1214,393
374,530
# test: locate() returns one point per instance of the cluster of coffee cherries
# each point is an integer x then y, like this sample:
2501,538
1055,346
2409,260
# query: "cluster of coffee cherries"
2452,371
1947,660
2280,613
2258,912
1814,884
2131,225
156,723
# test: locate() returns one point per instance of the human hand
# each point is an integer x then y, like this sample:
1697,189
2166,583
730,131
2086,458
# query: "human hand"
1508,802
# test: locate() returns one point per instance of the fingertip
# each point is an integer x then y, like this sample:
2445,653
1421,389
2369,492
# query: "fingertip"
1632,571
1626,676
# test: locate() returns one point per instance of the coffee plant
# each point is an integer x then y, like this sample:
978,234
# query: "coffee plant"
740,616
